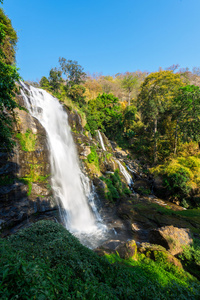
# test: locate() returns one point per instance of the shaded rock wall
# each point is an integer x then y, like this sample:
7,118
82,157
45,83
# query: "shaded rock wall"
25,189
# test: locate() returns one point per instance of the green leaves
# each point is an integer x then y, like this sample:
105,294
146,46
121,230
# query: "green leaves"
187,113
104,113
45,261
8,77
72,70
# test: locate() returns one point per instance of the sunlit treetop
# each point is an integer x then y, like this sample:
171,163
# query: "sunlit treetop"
8,39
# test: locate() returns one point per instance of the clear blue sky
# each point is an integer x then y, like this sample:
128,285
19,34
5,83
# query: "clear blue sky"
108,36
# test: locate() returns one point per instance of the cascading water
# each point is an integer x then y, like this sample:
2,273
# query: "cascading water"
71,187
101,141
126,175
122,169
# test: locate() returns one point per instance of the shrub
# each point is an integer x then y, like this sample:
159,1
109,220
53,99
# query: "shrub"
93,157
27,140
45,261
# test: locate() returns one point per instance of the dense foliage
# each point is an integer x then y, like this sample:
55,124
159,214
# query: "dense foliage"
104,113
46,262
154,115
8,76
114,186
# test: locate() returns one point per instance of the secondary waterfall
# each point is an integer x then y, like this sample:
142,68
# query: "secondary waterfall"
122,169
71,187
101,140
125,173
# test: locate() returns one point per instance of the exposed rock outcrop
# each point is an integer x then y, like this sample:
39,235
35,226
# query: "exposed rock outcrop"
157,252
171,238
127,250
25,175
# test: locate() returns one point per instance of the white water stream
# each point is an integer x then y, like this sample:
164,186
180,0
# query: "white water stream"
101,141
71,187
122,169
125,173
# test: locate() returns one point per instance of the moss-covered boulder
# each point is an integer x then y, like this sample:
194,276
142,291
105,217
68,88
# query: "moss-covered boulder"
171,238
127,250
157,252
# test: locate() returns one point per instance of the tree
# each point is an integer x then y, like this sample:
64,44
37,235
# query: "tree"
8,76
44,83
93,88
128,84
187,114
155,98
129,118
76,93
73,72
55,79
8,39
104,113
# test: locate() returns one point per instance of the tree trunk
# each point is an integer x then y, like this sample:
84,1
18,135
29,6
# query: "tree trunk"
129,98
155,140
176,138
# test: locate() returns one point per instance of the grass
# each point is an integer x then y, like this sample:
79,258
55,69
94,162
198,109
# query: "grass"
191,258
46,262
27,140
34,176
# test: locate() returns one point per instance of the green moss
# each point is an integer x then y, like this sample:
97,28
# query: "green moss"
27,140
34,176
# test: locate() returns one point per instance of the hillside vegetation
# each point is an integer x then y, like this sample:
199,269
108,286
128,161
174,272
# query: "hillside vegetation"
155,116
46,262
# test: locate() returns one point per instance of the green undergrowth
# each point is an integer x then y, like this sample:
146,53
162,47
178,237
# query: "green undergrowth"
191,258
188,213
27,140
114,186
34,176
45,261
93,157
181,177
191,216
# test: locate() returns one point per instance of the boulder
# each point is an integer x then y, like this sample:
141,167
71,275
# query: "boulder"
86,151
127,250
112,244
157,252
171,238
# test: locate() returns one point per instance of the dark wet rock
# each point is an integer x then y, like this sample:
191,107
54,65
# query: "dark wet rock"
3,158
142,186
101,251
172,238
158,187
112,244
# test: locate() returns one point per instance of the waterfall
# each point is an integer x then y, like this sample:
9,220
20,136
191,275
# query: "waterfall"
70,186
122,169
125,173
101,140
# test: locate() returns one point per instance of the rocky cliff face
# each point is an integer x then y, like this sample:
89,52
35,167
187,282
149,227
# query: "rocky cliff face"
25,182
25,190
